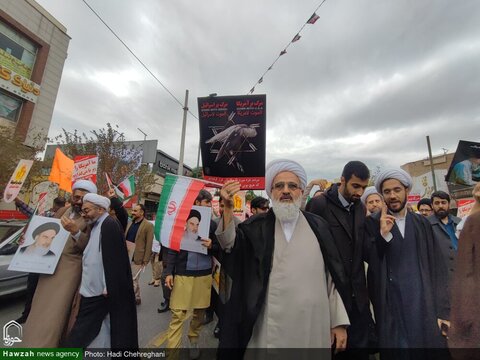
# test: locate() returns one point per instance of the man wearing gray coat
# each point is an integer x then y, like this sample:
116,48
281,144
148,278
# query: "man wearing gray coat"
444,226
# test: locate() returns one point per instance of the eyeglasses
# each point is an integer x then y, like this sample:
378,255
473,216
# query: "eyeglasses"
281,185
85,211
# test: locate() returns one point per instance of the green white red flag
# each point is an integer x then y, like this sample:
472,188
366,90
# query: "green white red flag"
176,201
126,189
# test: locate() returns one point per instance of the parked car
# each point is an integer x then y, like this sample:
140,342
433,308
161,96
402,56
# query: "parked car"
10,281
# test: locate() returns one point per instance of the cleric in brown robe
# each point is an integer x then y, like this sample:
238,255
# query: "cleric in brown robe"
464,330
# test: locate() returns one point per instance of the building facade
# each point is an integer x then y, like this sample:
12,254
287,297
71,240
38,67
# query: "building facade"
420,171
33,49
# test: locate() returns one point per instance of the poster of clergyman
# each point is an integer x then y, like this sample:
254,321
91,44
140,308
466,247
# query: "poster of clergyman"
44,241
197,228
232,139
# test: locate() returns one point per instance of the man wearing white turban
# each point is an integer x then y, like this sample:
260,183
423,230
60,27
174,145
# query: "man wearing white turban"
54,299
283,271
372,200
107,317
410,298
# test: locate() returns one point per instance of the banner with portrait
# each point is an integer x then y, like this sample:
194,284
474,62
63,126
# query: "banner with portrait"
233,139
197,227
44,240
464,171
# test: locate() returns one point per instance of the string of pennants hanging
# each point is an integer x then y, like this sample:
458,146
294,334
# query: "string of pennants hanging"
311,20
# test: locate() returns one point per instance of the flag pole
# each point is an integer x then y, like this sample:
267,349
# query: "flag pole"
108,181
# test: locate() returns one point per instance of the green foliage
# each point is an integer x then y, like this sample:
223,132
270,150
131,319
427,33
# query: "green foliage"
197,172
250,195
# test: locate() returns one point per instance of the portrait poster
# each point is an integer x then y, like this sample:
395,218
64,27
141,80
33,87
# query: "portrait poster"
44,241
16,181
233,138
197,227
216,275
464,170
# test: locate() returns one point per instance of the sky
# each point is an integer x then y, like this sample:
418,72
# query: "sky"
368,81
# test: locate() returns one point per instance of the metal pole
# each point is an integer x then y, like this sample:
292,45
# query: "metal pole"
198,156
431,164
144,135
182,142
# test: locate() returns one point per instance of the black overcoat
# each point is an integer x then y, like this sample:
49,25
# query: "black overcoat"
432,273
247,268
118,278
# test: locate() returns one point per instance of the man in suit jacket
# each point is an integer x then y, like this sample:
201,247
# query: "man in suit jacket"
341,207
139,236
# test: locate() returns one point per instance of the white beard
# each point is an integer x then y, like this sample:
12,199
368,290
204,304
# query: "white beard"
286,211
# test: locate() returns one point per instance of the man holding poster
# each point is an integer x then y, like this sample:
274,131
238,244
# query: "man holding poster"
192,281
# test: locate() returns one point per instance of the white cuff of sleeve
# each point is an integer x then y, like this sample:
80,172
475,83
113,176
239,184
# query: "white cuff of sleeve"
77,235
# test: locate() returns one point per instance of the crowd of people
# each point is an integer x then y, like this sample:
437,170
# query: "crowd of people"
352,271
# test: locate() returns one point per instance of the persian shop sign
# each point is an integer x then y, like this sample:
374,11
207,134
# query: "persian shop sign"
18,85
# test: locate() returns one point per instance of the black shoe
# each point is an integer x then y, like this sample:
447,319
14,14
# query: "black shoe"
208,318
216,331
164,306
21,319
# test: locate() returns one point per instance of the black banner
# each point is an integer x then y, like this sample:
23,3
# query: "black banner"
465,167
233,139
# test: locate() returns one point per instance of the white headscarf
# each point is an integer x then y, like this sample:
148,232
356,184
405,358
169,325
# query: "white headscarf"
86,185
277,166
98,200
369,191
397,174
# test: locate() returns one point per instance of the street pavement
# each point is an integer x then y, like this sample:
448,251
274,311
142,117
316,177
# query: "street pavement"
152,326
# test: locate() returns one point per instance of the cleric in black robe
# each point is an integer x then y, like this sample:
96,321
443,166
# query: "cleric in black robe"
249,265
107,316
409,298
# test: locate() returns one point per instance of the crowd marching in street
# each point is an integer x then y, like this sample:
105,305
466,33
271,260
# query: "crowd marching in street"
352,270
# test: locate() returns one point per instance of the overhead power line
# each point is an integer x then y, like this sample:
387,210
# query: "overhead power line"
137,58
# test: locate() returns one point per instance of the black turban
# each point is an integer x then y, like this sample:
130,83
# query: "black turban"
45,227
194,213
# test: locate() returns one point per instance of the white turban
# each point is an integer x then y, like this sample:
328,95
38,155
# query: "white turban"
98,200
369,191
277,166
397,174
86,185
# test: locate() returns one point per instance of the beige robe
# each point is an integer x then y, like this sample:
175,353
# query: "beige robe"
302,303
54,296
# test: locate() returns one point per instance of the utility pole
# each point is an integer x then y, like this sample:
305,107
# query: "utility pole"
144,135
431,163
182,142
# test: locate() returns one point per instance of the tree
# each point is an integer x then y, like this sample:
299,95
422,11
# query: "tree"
250,195
197,172
115,156
13,150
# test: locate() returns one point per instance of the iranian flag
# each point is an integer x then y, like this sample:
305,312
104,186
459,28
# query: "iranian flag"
176,201
127,188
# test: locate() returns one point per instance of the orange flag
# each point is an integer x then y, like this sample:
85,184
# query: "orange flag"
62,169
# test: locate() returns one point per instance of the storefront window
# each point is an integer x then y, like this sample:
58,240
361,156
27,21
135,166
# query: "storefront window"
16,52
9,107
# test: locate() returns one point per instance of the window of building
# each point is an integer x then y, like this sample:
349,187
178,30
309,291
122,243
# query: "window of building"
9,107
16,51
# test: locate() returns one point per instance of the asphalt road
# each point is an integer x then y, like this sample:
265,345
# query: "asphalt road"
152,326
